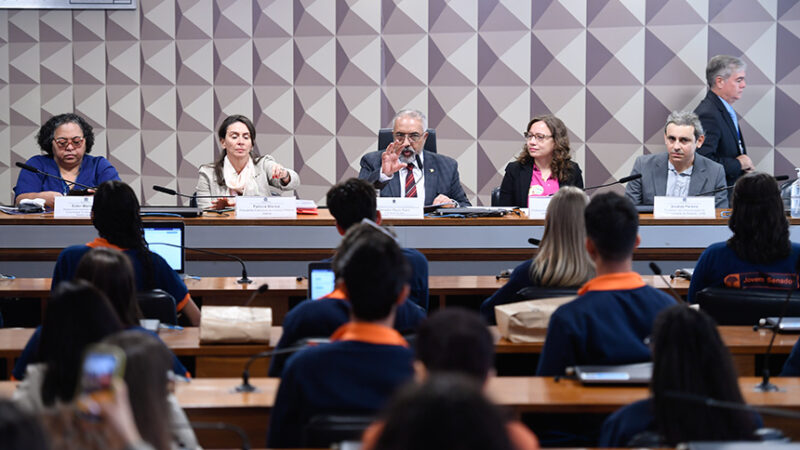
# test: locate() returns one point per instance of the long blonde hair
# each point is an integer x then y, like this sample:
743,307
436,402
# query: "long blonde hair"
562,260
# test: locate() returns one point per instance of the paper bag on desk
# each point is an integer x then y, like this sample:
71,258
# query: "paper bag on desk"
235,325
527,321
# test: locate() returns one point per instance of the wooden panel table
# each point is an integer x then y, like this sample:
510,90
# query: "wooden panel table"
226,291
214,399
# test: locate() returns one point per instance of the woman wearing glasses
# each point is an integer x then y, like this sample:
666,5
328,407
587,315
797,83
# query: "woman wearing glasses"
543,165
239,170
66,141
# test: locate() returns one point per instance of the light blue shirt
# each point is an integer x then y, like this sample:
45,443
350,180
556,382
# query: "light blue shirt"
678,183
732,113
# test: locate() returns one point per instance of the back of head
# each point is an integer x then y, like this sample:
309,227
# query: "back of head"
760,228
115,214
110,271
562,260
612,223
19,430
689,357
374,271
446,411
146,367
77,315
456,340
722,66
351,201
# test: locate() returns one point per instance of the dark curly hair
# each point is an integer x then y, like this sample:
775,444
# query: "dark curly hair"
760,229
47,132
561,158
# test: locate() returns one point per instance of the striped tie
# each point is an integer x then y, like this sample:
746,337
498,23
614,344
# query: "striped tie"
411,187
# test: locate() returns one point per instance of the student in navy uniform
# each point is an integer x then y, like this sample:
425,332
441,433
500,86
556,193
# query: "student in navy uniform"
350,202
562,261
689,358
759,255
367,360
614,312
115,215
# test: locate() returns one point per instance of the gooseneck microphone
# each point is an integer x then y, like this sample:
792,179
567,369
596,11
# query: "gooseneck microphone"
261,289
299,345
243,280
169,191
622,180
778,178
657,271
534,242
30,168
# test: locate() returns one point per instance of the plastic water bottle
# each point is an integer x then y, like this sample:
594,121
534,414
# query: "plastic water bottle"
796,195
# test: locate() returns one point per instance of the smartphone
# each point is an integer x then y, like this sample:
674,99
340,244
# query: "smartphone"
102,364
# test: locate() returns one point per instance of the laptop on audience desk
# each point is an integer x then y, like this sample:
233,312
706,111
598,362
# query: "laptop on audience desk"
158,233
321,280
636,374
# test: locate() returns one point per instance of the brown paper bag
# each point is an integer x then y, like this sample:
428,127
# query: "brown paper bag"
527,321
235,325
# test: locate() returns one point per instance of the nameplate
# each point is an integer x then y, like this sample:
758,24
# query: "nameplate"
266,207
73,207
683,208
537,206
401,208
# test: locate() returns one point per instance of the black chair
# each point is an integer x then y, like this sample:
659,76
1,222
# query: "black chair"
536,293
157,304
326,429
385,138
745,306
496,196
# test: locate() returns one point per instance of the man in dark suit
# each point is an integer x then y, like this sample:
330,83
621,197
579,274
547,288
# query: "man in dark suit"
724,142
406,158
680,171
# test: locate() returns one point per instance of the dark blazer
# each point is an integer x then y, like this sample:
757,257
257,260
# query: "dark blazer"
441,177
517,182
721,144
706,176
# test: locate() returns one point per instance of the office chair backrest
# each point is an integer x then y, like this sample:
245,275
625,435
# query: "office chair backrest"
536,293
496,196
745,306
157,304
385,138
326,429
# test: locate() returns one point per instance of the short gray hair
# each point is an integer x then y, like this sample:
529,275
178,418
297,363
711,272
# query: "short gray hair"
415,113
686,118
722,66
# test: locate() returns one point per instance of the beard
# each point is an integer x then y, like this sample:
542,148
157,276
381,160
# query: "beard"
410,158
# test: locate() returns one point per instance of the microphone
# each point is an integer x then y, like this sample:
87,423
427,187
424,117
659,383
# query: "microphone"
169,191
299,345
243,280
778,178
622,180
261,289
534,242
766,385
657,271
222,426
30,168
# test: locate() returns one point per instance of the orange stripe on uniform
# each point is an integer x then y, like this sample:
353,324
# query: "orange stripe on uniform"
103,242
613,282
183,302
368,332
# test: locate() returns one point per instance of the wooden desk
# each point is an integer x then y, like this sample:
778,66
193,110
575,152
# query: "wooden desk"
214,399
226,291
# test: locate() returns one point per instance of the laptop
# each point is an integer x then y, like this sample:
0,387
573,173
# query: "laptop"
788,324
623,374
158,233
321,280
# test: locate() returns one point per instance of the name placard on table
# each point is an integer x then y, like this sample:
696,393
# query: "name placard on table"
401,208
537,206
683,207
73,207
266,207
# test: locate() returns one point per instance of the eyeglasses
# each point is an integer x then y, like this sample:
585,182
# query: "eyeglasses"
537,137
413,137
64,142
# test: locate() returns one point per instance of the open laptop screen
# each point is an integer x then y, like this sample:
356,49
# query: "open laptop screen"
156,233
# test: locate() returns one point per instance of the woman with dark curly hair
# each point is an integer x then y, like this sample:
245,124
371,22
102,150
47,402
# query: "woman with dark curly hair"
66,141
543,165
760,244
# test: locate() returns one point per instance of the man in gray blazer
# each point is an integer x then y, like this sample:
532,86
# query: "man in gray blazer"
418,173
680,172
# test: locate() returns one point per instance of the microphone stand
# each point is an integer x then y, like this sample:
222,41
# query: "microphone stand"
30,168
622,180
242,280
657,270
246,386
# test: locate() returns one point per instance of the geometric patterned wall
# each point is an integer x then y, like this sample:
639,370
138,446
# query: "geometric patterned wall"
319,77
